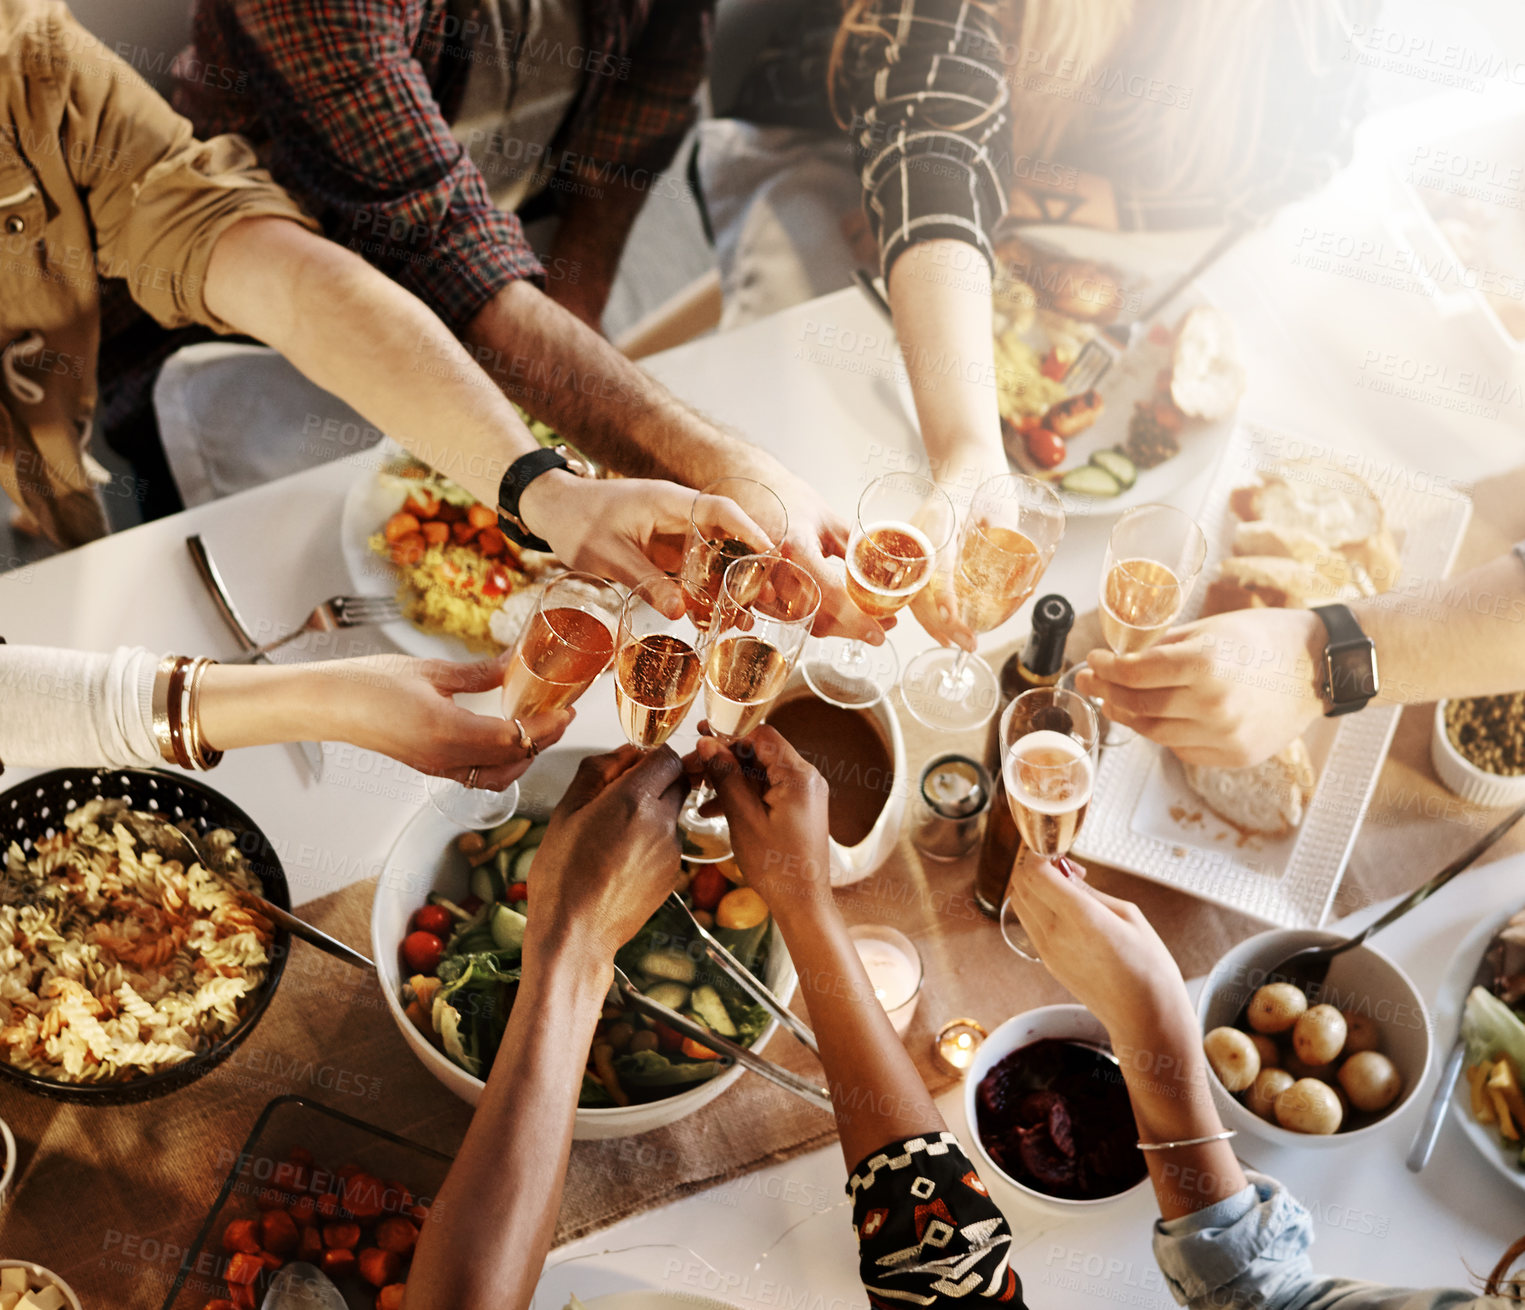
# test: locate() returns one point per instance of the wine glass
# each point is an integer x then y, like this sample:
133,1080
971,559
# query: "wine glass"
566,643
904,521
1153,558
711,545
1014,526
657,670
1049,738
760,622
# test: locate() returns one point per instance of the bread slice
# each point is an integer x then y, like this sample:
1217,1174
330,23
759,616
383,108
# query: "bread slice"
1284,583
1261,537
1335,507
1270,798
1206,375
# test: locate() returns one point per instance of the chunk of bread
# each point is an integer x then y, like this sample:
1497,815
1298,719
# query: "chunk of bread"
1270,798
1260,537
1337,508
1206,374
1284,583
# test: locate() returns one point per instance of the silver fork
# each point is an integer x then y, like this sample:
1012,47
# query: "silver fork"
1103,350
335,613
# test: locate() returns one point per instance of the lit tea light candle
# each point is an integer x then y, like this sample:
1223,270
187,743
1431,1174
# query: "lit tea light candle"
893,966
957,1042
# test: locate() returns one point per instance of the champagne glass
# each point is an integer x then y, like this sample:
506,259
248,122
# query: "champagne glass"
760,622
904,521
1049,740
1014,526
711,544
657,670
1153,558
566,643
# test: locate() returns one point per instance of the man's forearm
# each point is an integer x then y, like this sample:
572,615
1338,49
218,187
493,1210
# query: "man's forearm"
495,1216
565,374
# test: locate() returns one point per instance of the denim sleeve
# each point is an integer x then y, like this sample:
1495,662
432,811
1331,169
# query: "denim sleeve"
1250,1252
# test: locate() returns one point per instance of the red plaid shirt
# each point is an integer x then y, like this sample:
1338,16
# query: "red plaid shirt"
350,103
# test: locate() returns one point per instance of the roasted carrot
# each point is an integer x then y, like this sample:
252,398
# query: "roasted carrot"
244,1267
378,1267
337,1261
241,1235
310,1245
346,1235
390,1297
479,516
278,1232
400,525
362,1196
397,1235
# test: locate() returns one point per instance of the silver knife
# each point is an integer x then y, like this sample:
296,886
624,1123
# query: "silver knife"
722,1046
217,589
1429,1130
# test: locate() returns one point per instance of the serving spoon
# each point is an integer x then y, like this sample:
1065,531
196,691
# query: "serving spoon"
1308,969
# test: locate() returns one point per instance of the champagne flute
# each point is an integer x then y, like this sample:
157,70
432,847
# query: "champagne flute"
1153,558
1014,526
904,521
1049,740
711,544
565,644
760,623
657,670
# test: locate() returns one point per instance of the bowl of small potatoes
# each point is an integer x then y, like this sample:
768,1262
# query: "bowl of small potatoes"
1320,1071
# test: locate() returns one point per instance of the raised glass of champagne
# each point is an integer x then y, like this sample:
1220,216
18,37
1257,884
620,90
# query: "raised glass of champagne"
904,522
716,537
566,643
1014,526
759,626
657,668
1049,740
1153,558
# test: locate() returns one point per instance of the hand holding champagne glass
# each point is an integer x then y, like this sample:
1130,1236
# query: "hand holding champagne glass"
1049,740
759,625
1153,558
1014,526
657,669
904,521
717,535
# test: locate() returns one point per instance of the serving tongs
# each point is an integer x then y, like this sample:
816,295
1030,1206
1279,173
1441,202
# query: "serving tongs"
728,1051
744,978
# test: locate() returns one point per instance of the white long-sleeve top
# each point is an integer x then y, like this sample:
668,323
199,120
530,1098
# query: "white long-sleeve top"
61,708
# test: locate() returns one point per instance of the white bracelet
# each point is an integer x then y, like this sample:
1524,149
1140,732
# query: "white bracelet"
1190,1141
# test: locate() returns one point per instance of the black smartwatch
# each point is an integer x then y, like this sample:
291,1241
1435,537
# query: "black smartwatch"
516,478
1349,679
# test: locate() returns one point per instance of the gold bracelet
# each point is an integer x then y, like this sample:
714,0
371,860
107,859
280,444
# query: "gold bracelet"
161,707
205,757
177,680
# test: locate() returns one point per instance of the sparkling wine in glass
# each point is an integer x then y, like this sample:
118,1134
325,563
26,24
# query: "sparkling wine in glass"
1049,740
657,668
1014,526
712,543
1153,558
904,522
566,643
760,622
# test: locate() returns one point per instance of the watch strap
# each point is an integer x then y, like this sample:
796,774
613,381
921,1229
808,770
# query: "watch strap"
516,478
1344,630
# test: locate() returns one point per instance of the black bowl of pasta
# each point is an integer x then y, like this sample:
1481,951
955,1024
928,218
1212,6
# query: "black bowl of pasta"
128,968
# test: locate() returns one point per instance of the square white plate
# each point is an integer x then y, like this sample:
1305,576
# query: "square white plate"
1144,818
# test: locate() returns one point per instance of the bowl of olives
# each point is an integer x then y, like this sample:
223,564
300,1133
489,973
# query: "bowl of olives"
1311,1070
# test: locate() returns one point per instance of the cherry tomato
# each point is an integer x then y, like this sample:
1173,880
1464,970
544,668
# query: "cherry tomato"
1045,448
421,951
708,886
496,583
517,891
432,918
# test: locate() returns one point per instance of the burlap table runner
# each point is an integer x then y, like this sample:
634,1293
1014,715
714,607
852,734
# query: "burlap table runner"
110,1198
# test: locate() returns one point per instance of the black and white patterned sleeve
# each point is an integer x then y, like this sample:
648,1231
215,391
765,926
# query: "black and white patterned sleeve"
930,124
928,1232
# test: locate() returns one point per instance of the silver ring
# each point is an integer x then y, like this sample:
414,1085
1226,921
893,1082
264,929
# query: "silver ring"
526,742
471,778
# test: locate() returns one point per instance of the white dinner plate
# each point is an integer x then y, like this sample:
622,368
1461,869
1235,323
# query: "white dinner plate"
1449,1000
1145,819
1132,379
368,504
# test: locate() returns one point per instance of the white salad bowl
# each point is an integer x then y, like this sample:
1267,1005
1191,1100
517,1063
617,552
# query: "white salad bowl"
422,860
40,1278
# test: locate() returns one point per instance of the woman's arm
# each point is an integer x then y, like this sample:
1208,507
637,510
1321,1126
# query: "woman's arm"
486,1237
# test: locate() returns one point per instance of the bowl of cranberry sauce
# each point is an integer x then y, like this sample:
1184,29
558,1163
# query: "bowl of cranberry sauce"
1049,1111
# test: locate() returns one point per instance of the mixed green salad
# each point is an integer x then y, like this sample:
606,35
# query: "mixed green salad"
1493,1028
462,961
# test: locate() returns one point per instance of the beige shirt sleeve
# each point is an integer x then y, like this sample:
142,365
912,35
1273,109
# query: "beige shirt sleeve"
158,197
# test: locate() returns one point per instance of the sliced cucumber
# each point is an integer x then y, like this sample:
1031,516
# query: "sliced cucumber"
508,929
673,966
711,1010
1118,465
674,995
1090,480
486,882
449,906
535,835
522,862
